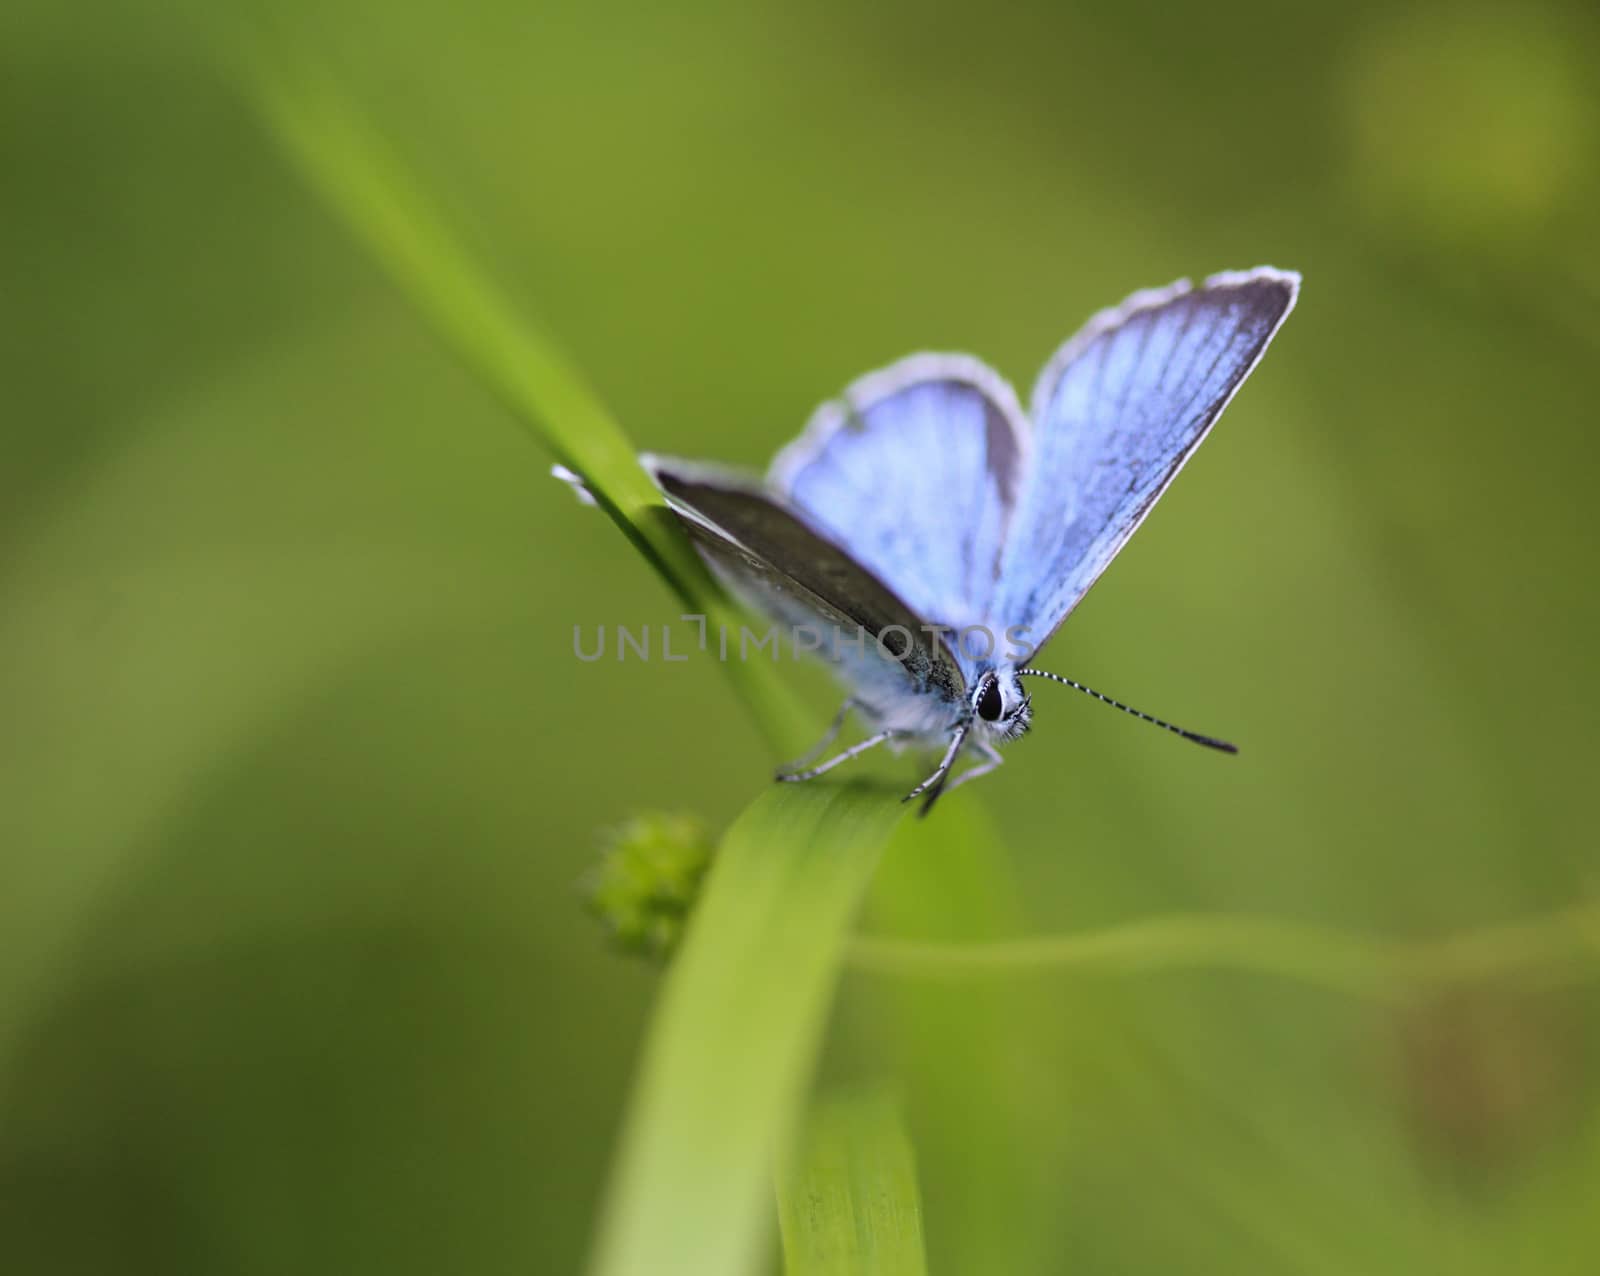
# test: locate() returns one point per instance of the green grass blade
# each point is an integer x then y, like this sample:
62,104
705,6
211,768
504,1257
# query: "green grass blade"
736,1030
848,1202
971,1060
351,167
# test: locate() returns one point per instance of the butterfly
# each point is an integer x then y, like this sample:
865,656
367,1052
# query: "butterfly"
945,534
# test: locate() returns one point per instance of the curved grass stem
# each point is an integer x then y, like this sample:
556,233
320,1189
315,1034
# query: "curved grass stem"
350,165
1559,945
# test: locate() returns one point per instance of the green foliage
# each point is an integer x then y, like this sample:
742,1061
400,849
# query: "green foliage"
349,164
972,1060
649,874
351,167
847,1198
299,771
1563,947
741,1017
736,1030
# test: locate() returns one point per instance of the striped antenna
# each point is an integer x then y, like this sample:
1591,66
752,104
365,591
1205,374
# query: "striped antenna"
1211,742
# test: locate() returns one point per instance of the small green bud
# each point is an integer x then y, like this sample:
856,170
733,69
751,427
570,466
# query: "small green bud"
646,882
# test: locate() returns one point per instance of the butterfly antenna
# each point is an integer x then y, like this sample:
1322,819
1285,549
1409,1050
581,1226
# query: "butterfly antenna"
1211,742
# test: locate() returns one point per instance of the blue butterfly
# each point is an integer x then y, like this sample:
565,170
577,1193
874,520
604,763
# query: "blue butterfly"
949,534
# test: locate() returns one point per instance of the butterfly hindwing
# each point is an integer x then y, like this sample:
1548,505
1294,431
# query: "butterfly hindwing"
770,558
1116,413
915,469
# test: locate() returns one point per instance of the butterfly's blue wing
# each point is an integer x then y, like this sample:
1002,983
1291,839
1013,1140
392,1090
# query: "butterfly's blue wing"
915,471
1116,413
778,565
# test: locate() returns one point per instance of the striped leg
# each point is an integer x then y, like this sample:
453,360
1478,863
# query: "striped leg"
935,782
872,741
828,737
991,759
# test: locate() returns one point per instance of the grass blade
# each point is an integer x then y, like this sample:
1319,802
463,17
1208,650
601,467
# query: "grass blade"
848,1201
736,1029
350,166
974,1060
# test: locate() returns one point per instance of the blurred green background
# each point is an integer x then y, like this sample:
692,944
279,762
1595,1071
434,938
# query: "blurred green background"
300,773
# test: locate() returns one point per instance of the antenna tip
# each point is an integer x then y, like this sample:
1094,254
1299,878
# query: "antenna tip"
1211,742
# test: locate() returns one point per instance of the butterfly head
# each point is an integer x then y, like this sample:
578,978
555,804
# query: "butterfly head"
1000,707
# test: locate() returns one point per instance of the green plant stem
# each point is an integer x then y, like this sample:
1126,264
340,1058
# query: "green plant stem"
1329,958
735,1033
970,1059
848,1200
742,1011
353,170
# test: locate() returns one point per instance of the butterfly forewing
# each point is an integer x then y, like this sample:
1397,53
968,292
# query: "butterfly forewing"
916,470
1115,415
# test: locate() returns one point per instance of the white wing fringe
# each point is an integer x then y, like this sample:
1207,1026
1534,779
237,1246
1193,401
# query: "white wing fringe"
575,482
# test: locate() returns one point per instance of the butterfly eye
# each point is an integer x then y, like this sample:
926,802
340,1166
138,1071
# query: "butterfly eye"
989,702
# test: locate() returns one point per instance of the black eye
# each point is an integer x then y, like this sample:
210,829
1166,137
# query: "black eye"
989,702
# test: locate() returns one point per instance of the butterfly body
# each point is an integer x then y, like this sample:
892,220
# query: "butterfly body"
925,491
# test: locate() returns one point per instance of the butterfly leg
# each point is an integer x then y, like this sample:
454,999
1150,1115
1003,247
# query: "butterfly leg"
935,782
828,737
992,758
872,741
